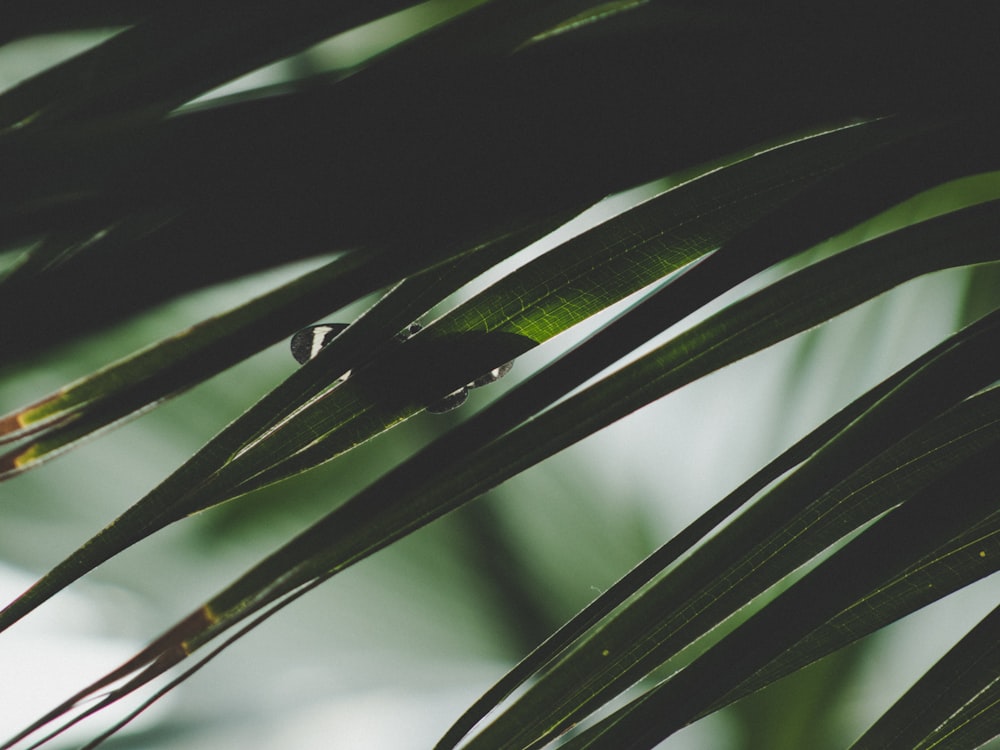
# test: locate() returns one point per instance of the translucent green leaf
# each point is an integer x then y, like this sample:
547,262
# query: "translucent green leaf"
135,200
258,175
25,18
549,295
302,425
399,503
135,383
508,116
177,496
176,363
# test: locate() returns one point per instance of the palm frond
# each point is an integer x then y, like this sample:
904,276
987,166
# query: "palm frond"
439,159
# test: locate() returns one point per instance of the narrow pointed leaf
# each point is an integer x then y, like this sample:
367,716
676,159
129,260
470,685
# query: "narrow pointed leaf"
181,237
146,68
609,262
954,705
742,561
595,270
964,560
222,163
831,206
177,496
385,512
925,382
25,18
164,369
962,496
556,122
177,52
144,379
513,112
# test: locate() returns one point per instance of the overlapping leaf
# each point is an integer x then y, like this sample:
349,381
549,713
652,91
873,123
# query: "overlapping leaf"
423,488
59,420
177,52
484,131
954,704
693,610
126,205
957,497
25,18
301,426
293,172
964,560
889,410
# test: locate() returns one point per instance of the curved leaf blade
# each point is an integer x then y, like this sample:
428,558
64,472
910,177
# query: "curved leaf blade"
172,365
176,53
925,382
178,495
964,560
594,270
943,509
633,250
742,561
384,512
954,705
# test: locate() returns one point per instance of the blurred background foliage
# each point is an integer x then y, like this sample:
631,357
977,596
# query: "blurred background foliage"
407,639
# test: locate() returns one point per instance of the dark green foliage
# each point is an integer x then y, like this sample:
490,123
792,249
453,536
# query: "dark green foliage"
442,156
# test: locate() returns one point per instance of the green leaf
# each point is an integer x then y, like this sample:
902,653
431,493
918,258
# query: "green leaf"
177,52
132,385
954,704
134,201
958,497
508,116
302,426
885,411
784,529
788,307
964,560
25,18
257,176
177,496
415,493
135,383
529,306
